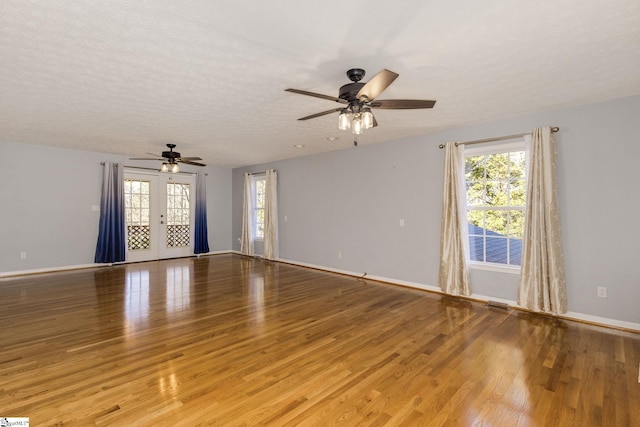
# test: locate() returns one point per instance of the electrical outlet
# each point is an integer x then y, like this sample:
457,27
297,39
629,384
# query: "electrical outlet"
402,223
23,255
602,292
339,254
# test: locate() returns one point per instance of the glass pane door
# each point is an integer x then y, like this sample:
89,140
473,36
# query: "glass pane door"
159,215
138,214
177,211
138,211
178,215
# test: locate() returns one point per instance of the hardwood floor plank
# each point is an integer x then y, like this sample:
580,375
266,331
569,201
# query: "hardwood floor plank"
231,341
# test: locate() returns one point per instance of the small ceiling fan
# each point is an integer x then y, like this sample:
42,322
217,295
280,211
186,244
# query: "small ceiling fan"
170,160
359,98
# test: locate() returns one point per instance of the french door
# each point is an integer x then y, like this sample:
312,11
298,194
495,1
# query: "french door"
159,215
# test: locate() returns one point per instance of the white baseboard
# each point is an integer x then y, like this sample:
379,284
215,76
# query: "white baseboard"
5,274
216,253
48,270
602,321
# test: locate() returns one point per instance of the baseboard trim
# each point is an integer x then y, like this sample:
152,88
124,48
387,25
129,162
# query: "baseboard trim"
8,274
578,317
215,253
595,320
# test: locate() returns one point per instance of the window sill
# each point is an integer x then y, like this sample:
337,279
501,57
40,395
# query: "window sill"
494,267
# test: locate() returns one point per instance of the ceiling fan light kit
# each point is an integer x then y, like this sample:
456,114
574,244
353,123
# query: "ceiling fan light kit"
359,97
357,121
170,167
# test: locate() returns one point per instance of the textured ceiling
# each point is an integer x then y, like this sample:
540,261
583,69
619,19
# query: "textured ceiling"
127,77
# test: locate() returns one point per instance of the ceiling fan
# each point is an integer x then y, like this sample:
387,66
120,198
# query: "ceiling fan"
359,98
170,160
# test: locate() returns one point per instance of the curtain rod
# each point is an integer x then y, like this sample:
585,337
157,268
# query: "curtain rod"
262,173
499,138
152,169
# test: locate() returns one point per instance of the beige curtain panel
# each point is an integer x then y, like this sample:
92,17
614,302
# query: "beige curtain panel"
542,285
246,242
271,216
454,262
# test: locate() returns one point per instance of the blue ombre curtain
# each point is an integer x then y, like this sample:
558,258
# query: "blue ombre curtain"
201,238
111,245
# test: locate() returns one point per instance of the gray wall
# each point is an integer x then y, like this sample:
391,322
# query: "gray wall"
47,194
351,201
219,208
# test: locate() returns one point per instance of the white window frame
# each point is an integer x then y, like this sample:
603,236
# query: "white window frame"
254,193
495,148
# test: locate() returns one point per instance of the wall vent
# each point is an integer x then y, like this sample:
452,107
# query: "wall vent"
496,304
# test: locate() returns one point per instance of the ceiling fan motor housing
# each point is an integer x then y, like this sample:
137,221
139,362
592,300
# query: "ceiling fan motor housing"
350,91
171,154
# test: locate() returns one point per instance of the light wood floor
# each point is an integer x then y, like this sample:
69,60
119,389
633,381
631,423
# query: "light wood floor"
228,340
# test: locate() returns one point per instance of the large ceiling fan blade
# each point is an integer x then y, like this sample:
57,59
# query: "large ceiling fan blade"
376,85
144,158
154,155
189,162
324,113
188,158
317,95
402,104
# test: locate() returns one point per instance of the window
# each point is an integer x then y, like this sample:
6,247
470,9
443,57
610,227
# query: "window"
259,183
495,191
